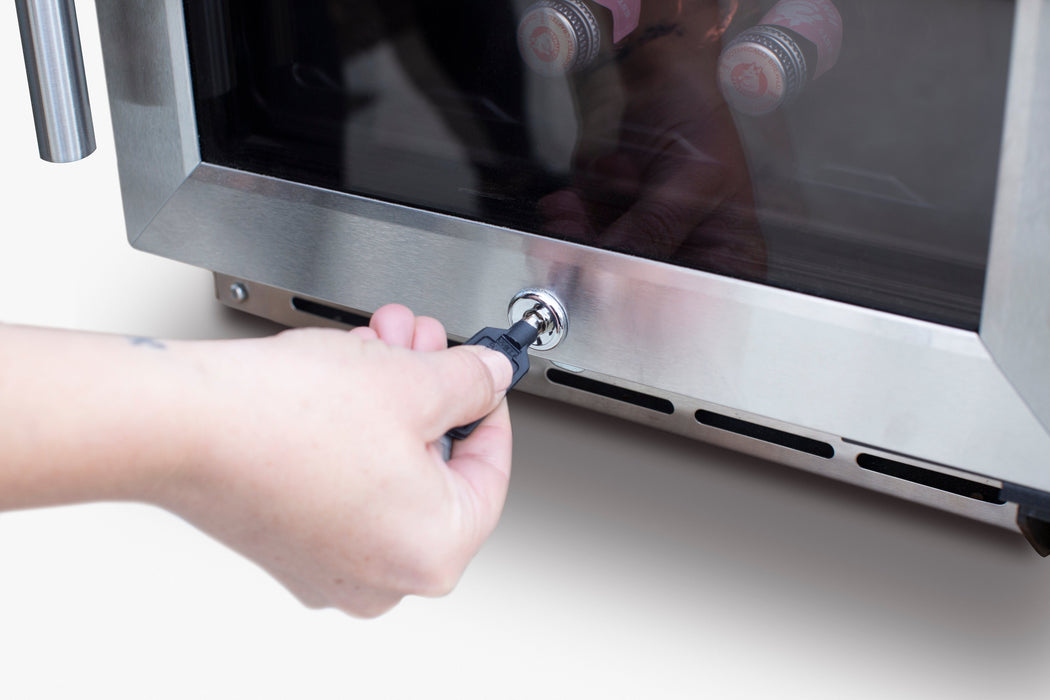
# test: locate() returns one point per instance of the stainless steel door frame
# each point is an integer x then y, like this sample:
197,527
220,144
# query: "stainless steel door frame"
930,392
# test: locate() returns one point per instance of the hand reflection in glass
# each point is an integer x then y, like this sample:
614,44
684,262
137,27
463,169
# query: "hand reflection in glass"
659,170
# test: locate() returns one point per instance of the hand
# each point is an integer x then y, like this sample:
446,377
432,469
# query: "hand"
323,467
660,172
311,452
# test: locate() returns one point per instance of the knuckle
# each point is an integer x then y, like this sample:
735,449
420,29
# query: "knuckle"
369,607
438,583
435,571
309,597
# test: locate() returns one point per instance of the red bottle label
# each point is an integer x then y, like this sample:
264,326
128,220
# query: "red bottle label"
625,16
817,20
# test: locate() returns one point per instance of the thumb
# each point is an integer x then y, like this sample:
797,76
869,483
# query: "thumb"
464,384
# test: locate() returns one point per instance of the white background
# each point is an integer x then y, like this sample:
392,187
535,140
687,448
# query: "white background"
629,563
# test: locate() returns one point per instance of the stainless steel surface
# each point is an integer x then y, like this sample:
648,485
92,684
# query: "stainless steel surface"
556,37
556,326
917,388
57,85
151,105
1016,322
273,303
852,375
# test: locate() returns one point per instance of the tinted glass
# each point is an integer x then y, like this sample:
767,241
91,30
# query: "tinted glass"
841,148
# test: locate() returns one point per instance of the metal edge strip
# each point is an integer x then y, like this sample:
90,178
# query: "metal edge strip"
151,103
1015,324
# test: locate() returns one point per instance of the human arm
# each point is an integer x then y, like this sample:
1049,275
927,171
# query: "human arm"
309,452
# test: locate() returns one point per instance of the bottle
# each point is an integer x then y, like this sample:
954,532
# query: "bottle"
768,65
557,37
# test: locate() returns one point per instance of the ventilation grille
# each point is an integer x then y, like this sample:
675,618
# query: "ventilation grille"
610,391
791,441
928,477
329,313
800,443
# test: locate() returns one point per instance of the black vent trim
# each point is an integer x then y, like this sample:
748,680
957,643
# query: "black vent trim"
927,477
800,443
610,391
331,313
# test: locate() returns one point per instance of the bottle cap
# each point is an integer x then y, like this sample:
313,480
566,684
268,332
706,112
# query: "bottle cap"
556,37
760,69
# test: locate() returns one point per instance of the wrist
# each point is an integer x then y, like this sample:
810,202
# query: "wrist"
90,417
191,416
174,422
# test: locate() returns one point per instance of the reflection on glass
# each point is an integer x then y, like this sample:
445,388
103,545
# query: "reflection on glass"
842,148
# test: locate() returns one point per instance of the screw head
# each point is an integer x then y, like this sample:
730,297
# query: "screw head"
239,292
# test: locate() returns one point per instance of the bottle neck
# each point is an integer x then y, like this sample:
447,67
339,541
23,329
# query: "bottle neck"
818,21
625,16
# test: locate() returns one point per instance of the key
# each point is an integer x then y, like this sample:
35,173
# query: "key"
514,343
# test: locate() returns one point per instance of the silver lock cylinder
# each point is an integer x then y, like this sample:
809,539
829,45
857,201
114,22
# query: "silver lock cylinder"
543,310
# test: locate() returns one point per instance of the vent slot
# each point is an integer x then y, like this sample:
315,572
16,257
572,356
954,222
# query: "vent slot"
330,313
766,434
927,477
610,391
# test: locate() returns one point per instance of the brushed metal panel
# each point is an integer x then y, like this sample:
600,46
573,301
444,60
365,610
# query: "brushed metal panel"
1016,320
273,303
909,386
151,102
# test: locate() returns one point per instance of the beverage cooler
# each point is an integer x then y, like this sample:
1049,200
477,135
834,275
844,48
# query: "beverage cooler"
812,230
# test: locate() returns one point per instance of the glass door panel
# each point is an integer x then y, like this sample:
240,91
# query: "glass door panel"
841,148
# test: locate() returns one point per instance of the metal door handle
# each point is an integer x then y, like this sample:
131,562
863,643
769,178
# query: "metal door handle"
57,86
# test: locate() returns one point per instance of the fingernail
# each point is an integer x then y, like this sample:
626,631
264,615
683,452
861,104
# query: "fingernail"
499,367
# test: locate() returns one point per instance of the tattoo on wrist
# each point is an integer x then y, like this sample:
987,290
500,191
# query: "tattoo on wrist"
151,343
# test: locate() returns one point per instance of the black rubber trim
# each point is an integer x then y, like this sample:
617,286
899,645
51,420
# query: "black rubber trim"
1035,529
1037,501
799,443
1033,515
610,391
